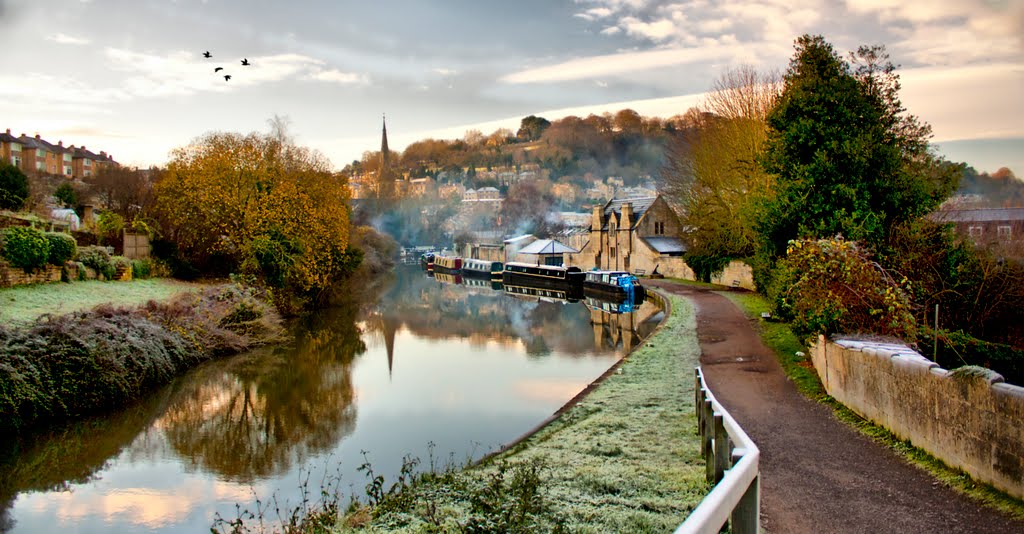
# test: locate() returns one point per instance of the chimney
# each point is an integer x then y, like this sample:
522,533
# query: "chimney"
103,154
595,219
37,136
627,216
60,143
8,131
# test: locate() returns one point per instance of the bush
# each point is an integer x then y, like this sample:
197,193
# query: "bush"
829,286
66,195
142,268
98,259
958,349
69,366
25,247
13,187
63,248
109,226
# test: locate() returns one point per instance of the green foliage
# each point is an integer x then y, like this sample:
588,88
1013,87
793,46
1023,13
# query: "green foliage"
65,367
830,286
271,256
109,226
531,128
958,349
63,248
142,268
25,247
847,160
99,259
66,195
706,266
13,187
510,503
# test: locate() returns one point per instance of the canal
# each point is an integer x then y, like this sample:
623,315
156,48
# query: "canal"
424,367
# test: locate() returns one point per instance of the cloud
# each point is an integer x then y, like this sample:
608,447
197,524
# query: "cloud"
343,78
658,30
446,72
62,38
594,13
622,63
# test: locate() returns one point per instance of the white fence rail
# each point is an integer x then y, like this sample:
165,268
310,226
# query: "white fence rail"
732,461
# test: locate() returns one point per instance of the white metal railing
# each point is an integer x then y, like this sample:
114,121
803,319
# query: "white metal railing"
732,461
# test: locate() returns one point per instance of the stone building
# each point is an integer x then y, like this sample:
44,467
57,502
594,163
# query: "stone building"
638,235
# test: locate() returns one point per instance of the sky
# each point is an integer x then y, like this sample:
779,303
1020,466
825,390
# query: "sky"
128,76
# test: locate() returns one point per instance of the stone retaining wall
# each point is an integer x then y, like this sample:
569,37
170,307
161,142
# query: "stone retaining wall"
15,276
736,274
974,422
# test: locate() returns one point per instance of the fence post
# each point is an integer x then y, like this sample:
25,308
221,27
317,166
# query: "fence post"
745,519
709,440
722,448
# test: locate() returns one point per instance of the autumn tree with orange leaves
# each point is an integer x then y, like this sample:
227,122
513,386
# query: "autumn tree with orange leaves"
253,203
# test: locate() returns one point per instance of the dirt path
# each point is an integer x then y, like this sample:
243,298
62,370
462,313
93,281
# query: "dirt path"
818,475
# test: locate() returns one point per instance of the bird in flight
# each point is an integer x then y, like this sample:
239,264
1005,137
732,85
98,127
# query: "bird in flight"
207,54
227,77
218,69
245,62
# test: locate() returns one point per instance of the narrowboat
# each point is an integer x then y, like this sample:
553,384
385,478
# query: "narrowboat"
480,282
568,279
616,286
482,269
447,264
427,261
560,296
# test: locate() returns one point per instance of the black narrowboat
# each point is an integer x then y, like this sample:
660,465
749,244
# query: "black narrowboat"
482,269
569,279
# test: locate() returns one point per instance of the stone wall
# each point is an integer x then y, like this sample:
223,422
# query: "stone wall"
736,274
972,422
15,276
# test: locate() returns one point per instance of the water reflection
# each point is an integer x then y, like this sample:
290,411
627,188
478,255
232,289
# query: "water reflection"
467,367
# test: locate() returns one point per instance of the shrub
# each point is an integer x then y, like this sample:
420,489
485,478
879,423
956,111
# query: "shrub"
109,226
69,366
118,263
13,187
831,286
25,247
958,349
66,195
63,248
98,259
142,268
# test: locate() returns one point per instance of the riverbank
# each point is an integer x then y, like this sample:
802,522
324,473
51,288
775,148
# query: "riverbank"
23,304
64,367
624,458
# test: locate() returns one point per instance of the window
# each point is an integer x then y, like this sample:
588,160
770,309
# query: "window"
15,147
67,157
975,231
659,228
67,170
88,173
88,162
611,226
1004,232
40,165
612,251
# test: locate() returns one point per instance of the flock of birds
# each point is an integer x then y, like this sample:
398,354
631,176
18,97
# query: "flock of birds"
227,77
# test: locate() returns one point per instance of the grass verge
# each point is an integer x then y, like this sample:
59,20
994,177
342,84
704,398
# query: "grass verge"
23,304
778,337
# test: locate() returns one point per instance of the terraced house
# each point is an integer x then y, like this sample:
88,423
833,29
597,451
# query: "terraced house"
35,155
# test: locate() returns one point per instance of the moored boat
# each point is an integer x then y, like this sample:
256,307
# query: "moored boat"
447,264
560,296
617,286
568,279
482,268
427,261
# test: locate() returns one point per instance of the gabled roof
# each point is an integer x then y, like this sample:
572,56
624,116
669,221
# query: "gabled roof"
547,246
640,206
8,138
29,142
979,215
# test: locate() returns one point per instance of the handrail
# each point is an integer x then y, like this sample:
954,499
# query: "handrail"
736,495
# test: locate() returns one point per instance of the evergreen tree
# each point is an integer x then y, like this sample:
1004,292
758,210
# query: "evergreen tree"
13,187
847,159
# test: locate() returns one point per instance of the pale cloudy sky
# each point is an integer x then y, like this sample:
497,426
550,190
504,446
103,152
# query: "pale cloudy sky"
128,77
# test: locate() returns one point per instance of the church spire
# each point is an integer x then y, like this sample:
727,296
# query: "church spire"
384,152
